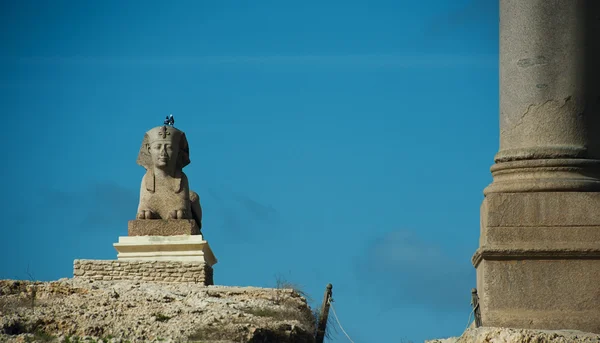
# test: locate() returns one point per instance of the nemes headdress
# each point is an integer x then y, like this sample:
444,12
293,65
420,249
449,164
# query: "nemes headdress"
164,134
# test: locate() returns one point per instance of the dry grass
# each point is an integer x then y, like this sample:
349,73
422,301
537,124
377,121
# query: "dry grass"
310,319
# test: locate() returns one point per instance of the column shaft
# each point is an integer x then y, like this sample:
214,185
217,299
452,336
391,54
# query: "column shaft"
549,96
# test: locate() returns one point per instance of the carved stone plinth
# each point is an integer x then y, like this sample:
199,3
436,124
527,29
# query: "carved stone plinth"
186,248
538,264
162,227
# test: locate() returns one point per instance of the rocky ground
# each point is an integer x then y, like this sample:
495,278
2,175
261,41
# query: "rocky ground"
73,310
504,335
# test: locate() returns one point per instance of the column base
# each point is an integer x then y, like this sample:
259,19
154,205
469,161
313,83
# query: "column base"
538,264
540,294
545,175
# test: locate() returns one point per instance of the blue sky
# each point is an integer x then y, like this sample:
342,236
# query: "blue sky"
331,142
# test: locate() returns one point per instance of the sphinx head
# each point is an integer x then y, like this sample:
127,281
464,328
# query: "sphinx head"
164,147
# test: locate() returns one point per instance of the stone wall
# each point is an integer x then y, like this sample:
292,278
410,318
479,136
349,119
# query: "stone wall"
159,271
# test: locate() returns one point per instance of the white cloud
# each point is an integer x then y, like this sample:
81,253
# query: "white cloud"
407,270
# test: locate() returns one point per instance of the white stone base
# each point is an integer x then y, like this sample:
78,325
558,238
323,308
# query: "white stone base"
185,248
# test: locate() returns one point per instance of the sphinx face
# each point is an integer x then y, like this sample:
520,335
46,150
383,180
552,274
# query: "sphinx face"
164,154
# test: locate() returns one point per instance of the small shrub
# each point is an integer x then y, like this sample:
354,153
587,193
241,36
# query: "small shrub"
72,339
107,338
282,283
161,317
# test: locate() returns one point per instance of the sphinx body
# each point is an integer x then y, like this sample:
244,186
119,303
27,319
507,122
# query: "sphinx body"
164,192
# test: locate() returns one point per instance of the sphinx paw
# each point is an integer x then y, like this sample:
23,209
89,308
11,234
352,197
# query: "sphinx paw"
177,214
145,214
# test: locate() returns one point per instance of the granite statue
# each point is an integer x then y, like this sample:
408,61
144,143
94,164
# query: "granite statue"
164,192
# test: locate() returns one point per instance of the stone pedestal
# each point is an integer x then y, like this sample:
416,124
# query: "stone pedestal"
183,248
538,263
155,271
155,250
162,227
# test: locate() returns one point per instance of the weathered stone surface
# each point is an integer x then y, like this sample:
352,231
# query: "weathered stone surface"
165,193
198,273
179,248
540,293
538,262
541,209
540,272
504,335
140,311
549,89
161,227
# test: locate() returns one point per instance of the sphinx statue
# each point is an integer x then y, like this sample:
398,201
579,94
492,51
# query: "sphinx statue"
165,193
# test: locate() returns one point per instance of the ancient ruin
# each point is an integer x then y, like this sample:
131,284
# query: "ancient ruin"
538,262
164,242
160,287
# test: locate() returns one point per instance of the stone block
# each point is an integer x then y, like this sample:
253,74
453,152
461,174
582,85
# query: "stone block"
191,250
540,294
538,264
133,270
162,227
540,209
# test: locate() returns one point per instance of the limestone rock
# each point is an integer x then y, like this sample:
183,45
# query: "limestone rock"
506,335
136,311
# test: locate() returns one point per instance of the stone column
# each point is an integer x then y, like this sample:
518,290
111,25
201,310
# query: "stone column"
538,264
